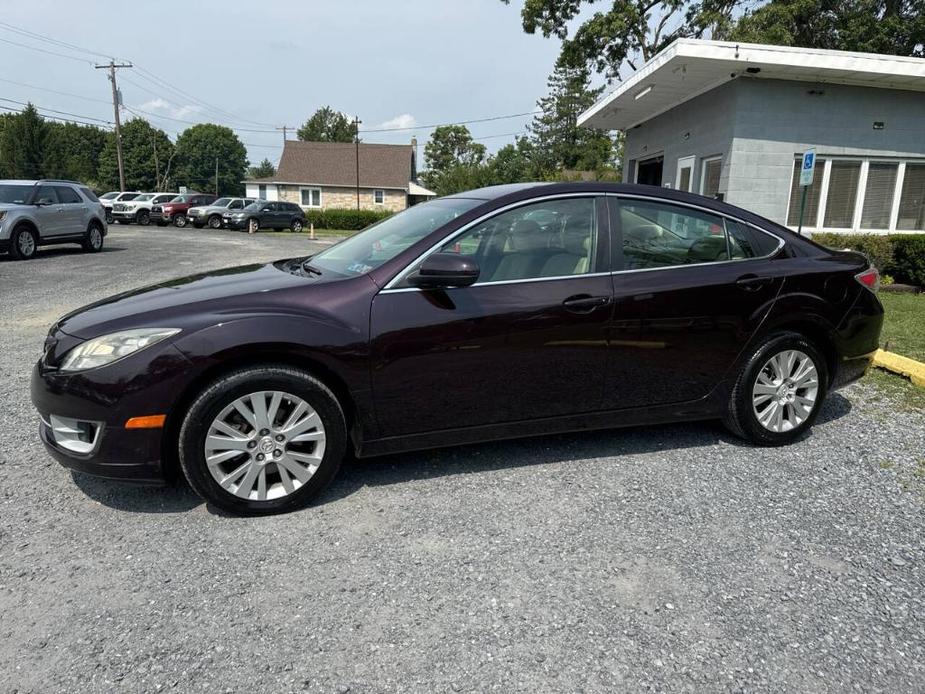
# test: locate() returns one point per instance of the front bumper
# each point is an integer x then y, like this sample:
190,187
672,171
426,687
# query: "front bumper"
232,223
125,215
138,385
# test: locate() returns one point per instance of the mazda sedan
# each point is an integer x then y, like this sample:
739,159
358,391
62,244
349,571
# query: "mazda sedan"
497,313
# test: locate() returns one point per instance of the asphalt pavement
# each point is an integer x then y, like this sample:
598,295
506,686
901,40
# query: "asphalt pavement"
665,558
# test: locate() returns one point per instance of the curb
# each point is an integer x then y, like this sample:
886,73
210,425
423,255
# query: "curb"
903,366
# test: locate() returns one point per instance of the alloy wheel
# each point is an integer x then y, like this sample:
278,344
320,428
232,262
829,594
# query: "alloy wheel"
26,244
215,222
785,391
265,445
180,220
96,238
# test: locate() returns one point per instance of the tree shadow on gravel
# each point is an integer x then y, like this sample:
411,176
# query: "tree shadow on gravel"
474,458
54,251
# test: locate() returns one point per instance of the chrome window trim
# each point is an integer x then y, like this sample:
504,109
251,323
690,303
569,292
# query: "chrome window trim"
390,287
400,276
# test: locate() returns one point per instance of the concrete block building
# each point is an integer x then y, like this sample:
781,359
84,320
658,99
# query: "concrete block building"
732,121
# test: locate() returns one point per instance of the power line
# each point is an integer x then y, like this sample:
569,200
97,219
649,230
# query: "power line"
49,39
55,118
459,122
51,110
43,50
55,91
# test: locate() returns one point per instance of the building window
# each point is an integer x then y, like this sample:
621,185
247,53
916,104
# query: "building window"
311,197
911,216
262,191
685,179
860,194
379,197
709,176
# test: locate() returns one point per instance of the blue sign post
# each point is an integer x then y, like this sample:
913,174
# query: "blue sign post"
807,169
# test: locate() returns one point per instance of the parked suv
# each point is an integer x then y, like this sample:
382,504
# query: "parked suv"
107,200
266,215
175,210
35,213
212,214
138,210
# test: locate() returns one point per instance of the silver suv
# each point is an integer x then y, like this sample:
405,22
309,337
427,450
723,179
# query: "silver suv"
212,214
35,213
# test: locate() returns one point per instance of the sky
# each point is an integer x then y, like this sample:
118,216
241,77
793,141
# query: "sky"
258,66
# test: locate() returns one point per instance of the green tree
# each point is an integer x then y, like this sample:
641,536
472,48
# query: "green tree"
22,147
558,141
328,125
263,170
450,147
72,151
198,150
877,26
514,163
627,34
146,152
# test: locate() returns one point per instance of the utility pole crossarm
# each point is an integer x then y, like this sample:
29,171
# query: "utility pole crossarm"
112,67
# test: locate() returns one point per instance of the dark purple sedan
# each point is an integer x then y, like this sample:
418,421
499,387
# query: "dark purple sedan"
504,312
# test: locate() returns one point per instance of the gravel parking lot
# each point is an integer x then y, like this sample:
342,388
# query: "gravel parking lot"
667,558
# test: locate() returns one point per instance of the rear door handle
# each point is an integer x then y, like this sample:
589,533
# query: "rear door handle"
585,303
752,283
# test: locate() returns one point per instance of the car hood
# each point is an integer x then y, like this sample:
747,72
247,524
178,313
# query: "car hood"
191,302
208,209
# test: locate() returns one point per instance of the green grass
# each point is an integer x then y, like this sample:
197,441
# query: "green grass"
904,324
897,390
319,233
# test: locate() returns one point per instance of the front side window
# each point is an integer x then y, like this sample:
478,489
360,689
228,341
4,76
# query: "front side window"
164,198
222,202
657,235
383,241
236,205
46,195
553,238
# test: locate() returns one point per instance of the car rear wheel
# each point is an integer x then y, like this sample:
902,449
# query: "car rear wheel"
109,217
779,391
143,218
215,222
93,241
262,440
296,225
252,226
179,220
23,243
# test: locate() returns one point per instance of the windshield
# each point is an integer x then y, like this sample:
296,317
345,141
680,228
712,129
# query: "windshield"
16,194
181,198
383,241
256,206
144,197
128,196
222,202
109,196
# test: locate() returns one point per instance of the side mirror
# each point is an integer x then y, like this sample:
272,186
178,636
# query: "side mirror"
445,270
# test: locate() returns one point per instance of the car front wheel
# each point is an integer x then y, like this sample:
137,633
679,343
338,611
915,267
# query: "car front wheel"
143,218
215,222
179,220
23,243
262,440
779,391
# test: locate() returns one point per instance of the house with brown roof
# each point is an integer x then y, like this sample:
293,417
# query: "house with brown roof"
323,175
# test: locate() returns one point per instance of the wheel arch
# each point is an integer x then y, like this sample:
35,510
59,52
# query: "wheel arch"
248,356
816,331
31,226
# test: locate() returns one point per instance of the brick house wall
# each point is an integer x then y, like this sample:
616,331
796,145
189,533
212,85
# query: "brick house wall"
346,198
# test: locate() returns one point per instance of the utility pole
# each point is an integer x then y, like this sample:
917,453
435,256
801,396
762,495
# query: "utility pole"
285,129
115,108
216,175
356,127
157,166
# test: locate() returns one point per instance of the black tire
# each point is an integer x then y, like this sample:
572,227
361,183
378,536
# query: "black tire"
741,418
179,220
23,243
143,218
296,225
215,221
207,406
109,217
93,241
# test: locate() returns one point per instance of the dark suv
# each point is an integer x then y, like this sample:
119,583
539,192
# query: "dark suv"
175,210
266,215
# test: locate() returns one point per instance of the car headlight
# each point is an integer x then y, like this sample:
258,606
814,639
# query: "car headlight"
108,348
2,216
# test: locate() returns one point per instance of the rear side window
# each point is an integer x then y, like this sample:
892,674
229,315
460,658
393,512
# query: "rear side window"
89,194
746,242
67,195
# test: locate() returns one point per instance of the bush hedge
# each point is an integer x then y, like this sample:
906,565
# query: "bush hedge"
351,220
900,255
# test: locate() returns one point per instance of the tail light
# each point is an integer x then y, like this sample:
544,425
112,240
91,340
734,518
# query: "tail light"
870,278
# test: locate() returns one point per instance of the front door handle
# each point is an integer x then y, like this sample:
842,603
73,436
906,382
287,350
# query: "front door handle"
585,303
752,283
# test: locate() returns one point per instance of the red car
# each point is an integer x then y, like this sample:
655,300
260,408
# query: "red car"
175,210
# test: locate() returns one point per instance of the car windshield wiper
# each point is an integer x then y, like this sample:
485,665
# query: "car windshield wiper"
309,268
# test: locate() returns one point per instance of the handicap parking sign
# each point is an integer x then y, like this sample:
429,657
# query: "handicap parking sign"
809,165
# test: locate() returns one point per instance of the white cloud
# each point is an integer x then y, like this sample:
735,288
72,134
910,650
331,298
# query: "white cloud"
405,120
170,109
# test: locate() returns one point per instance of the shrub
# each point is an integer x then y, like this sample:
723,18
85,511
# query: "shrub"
878,248
351,220
909,258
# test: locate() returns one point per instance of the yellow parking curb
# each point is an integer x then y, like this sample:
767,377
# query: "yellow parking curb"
904,366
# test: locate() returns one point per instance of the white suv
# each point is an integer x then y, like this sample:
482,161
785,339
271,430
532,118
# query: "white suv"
138,210
108,199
